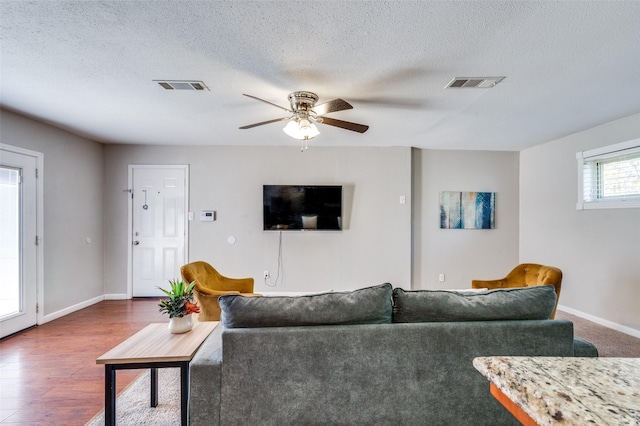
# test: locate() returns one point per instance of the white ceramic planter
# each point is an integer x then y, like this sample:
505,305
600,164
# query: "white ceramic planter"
179,325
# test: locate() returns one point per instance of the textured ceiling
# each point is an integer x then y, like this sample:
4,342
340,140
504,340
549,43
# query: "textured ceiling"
89,66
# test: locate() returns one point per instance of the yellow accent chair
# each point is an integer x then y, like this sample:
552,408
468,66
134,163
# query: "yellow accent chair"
210,285
526,275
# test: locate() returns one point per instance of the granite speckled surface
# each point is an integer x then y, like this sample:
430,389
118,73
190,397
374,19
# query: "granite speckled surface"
569,391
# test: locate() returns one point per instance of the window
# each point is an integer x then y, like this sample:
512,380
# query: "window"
609,177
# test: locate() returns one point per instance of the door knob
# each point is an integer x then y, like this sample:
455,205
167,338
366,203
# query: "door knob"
135,243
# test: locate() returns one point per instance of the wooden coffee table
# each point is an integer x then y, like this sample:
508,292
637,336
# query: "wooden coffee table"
153,347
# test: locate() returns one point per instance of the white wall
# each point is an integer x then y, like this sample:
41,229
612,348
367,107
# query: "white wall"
597,250
463,254
374,246
73,207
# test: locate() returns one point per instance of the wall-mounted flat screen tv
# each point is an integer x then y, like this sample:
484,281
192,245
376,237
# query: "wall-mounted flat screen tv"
302,207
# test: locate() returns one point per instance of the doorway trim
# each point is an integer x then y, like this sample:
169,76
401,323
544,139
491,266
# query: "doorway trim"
39,158
187,215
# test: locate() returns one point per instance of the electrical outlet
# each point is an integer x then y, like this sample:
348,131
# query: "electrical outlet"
441,278
266,274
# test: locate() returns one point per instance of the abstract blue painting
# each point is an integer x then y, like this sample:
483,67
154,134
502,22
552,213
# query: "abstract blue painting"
467,210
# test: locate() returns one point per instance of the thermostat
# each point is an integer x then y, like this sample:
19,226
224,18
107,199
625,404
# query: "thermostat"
207,216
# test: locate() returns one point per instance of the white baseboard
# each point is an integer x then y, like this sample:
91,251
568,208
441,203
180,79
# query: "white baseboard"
116,296
70,309
618,327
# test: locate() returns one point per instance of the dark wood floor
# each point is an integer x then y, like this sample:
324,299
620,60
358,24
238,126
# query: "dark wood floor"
49,375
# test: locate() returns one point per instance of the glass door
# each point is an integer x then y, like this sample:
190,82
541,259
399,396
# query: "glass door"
10,241
18,241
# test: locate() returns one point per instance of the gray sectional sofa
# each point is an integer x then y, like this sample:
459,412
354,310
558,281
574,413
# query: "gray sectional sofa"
375,356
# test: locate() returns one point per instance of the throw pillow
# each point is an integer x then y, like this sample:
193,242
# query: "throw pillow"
527,303
371,305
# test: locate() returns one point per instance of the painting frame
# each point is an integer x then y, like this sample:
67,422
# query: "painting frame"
467,210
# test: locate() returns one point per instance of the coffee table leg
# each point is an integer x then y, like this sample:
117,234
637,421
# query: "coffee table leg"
154,387
184,393
109,395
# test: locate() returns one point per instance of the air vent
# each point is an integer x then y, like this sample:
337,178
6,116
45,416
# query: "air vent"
181,85
473,82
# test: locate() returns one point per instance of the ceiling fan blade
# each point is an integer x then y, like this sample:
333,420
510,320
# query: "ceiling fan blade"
275,120
267,102
332,106
360,128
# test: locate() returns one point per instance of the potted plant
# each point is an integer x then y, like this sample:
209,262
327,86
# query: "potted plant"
179,306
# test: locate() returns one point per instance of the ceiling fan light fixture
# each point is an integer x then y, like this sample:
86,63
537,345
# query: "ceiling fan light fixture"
301,129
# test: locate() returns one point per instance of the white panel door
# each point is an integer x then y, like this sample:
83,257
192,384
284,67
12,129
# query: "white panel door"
18,241
158,227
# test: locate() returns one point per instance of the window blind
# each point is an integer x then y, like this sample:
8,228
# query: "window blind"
611,176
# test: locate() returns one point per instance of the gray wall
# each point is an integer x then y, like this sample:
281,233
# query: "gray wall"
463,254
374,246
73,210
598,250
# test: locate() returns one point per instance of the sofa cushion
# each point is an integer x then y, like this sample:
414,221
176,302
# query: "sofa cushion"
527,303
582,348
371,305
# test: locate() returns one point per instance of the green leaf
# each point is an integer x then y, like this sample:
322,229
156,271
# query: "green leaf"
179,294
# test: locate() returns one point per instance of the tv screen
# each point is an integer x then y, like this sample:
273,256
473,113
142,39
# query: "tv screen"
302,207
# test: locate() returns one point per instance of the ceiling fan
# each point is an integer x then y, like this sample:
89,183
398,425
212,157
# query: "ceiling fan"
304,113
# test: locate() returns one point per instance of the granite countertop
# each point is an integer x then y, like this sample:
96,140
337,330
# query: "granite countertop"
569,391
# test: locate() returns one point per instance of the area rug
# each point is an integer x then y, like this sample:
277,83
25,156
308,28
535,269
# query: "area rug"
132,404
